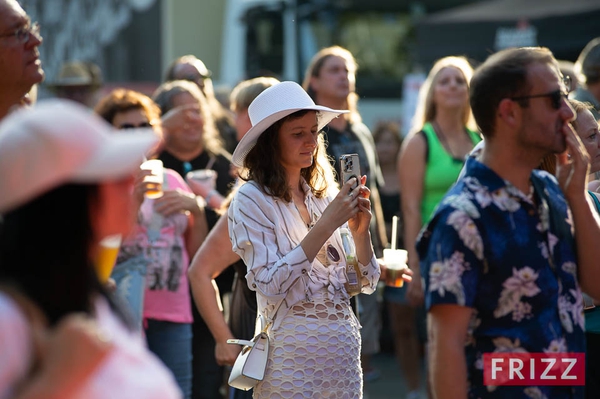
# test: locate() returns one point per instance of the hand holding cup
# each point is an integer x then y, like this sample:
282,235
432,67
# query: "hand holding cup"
395,265
202,181
154,181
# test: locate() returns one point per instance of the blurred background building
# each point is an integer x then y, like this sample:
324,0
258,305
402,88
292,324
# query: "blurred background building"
133,41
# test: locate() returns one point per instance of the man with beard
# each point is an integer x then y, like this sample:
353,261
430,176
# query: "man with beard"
502,264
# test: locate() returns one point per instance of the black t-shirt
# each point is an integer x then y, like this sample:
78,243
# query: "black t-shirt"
346,142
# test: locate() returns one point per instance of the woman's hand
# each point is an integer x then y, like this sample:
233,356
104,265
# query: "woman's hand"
343,207
202,187
177,201
225,353
183,117
140,188
360,222
406,272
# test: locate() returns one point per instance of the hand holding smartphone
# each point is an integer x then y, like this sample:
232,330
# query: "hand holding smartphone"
349,168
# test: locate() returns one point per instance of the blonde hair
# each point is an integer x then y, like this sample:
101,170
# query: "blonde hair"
246,91
426,108
314,69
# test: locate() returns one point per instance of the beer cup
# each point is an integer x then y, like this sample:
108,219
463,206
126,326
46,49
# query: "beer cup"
395,263
155,180
107,256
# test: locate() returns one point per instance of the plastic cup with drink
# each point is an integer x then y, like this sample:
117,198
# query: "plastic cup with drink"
395,260
155,180
107,256
202,181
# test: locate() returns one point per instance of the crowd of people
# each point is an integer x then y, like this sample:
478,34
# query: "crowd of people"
495,190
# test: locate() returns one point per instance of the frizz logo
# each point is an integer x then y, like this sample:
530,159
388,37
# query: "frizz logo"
533,369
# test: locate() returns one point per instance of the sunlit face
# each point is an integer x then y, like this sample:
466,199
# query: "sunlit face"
188,135
541,125
387,147
20,66
298,141
587,130
450,89
336,79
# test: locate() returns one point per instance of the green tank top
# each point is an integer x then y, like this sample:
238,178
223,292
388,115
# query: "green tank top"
441,171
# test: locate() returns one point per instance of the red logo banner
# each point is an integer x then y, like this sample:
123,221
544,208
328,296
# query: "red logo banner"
533,369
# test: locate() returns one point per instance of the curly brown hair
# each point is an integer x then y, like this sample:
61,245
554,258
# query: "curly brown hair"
123,100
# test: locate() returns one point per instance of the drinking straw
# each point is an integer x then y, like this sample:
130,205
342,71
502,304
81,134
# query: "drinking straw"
394,231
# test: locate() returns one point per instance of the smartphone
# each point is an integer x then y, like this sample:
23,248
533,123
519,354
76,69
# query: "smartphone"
349,168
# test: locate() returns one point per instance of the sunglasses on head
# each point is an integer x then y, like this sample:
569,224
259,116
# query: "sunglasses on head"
555,97
132,126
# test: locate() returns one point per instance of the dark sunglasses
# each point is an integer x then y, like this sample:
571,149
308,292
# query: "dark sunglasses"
132,126
555,97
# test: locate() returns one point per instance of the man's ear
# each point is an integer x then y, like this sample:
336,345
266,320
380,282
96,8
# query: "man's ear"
509,112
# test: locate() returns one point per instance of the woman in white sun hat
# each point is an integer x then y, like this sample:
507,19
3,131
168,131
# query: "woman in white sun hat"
67,182
285,224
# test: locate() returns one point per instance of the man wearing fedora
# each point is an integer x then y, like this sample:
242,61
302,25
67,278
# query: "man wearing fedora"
78,81
20,65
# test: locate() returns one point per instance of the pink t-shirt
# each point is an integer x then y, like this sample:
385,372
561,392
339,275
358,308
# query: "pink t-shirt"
161,241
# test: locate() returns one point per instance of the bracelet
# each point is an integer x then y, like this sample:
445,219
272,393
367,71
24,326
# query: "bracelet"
210,195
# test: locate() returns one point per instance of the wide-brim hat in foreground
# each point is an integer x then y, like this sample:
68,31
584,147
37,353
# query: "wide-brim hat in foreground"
273,104
58,142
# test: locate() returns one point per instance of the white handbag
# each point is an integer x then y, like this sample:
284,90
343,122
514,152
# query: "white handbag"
250,365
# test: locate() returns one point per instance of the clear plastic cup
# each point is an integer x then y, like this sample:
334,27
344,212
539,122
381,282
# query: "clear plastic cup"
155,180
395,264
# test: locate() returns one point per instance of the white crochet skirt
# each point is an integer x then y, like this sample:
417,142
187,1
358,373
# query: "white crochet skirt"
315,353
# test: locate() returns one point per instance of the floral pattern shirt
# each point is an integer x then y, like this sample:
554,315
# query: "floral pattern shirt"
494,249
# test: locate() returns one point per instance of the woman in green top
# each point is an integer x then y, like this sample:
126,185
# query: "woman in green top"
443,132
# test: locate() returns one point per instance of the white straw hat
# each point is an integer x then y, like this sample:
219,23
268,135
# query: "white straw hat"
58,142
273,104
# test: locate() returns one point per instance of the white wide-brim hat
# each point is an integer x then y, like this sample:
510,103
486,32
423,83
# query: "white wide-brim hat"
58,142
273,104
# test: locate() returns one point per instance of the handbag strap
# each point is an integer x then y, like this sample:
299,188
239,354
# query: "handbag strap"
270,320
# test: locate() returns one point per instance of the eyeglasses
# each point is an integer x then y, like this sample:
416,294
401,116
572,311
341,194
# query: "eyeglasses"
556,97
23,34
132,126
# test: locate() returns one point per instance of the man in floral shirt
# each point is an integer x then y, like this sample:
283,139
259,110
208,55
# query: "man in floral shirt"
502,270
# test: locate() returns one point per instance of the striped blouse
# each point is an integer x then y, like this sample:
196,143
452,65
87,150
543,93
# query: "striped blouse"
266,232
